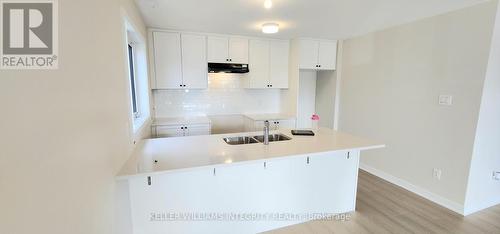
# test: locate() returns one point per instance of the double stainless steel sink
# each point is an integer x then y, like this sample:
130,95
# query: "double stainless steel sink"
242,140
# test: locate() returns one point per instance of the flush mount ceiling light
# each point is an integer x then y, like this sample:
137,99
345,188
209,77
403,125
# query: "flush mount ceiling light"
268,4
270,28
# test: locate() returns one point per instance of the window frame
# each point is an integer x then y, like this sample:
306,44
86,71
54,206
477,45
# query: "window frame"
133,81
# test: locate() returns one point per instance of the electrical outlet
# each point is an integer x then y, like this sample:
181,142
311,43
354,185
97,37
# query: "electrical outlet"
436,173
496,175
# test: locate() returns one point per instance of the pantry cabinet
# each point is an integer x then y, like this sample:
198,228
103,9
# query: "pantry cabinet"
317,54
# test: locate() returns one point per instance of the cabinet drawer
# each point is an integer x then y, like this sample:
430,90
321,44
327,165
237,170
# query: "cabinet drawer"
168,131
181,130
197,129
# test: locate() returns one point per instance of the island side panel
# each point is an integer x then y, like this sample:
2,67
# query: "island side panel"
123,215
293,187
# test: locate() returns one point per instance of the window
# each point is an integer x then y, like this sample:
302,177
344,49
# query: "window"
135,61
133,88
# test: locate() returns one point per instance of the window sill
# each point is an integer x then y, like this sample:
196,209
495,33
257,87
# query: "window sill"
139,124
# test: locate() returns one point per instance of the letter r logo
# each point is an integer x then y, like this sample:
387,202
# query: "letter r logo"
27,28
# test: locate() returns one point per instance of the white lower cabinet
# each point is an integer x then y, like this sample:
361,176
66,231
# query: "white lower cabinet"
276,124
245,198
180,130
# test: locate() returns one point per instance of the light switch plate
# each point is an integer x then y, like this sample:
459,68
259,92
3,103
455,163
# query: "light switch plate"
445,100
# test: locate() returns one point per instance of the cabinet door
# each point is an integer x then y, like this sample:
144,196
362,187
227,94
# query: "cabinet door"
258,76
338,168
308,53
169,131
173,193
194,61
286,124
167,60
238,50
197,129
278,71
218,49
327,55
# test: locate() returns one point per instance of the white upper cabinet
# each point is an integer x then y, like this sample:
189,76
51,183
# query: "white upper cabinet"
317,54
278,71
167,60
194,61
227,50
327,55
258,77
238,50
308,54
218,49
268,64
180,61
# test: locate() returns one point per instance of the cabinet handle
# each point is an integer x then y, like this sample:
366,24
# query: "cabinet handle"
180,85
149,180
348,155
214,171
307,159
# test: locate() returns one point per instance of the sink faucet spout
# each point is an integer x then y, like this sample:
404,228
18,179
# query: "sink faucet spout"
266,132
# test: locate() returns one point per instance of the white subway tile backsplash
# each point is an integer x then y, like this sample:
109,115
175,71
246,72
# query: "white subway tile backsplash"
225,95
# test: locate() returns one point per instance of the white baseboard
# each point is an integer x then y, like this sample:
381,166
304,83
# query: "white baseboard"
485,205
451,205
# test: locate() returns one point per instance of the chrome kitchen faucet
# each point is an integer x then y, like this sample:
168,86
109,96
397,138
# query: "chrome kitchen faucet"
266,132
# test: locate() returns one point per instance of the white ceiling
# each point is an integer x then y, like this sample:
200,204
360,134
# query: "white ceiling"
329,19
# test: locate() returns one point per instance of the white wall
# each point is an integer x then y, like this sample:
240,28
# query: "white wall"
325,97
306,105
482,190
390,86
225,96
65,132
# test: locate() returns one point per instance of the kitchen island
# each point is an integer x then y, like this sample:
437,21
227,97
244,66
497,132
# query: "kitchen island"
201,184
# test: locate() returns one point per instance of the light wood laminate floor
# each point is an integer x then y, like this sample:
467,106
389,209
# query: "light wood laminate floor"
386,208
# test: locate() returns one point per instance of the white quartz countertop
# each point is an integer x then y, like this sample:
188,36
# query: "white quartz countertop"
262,117
181,120
186,153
